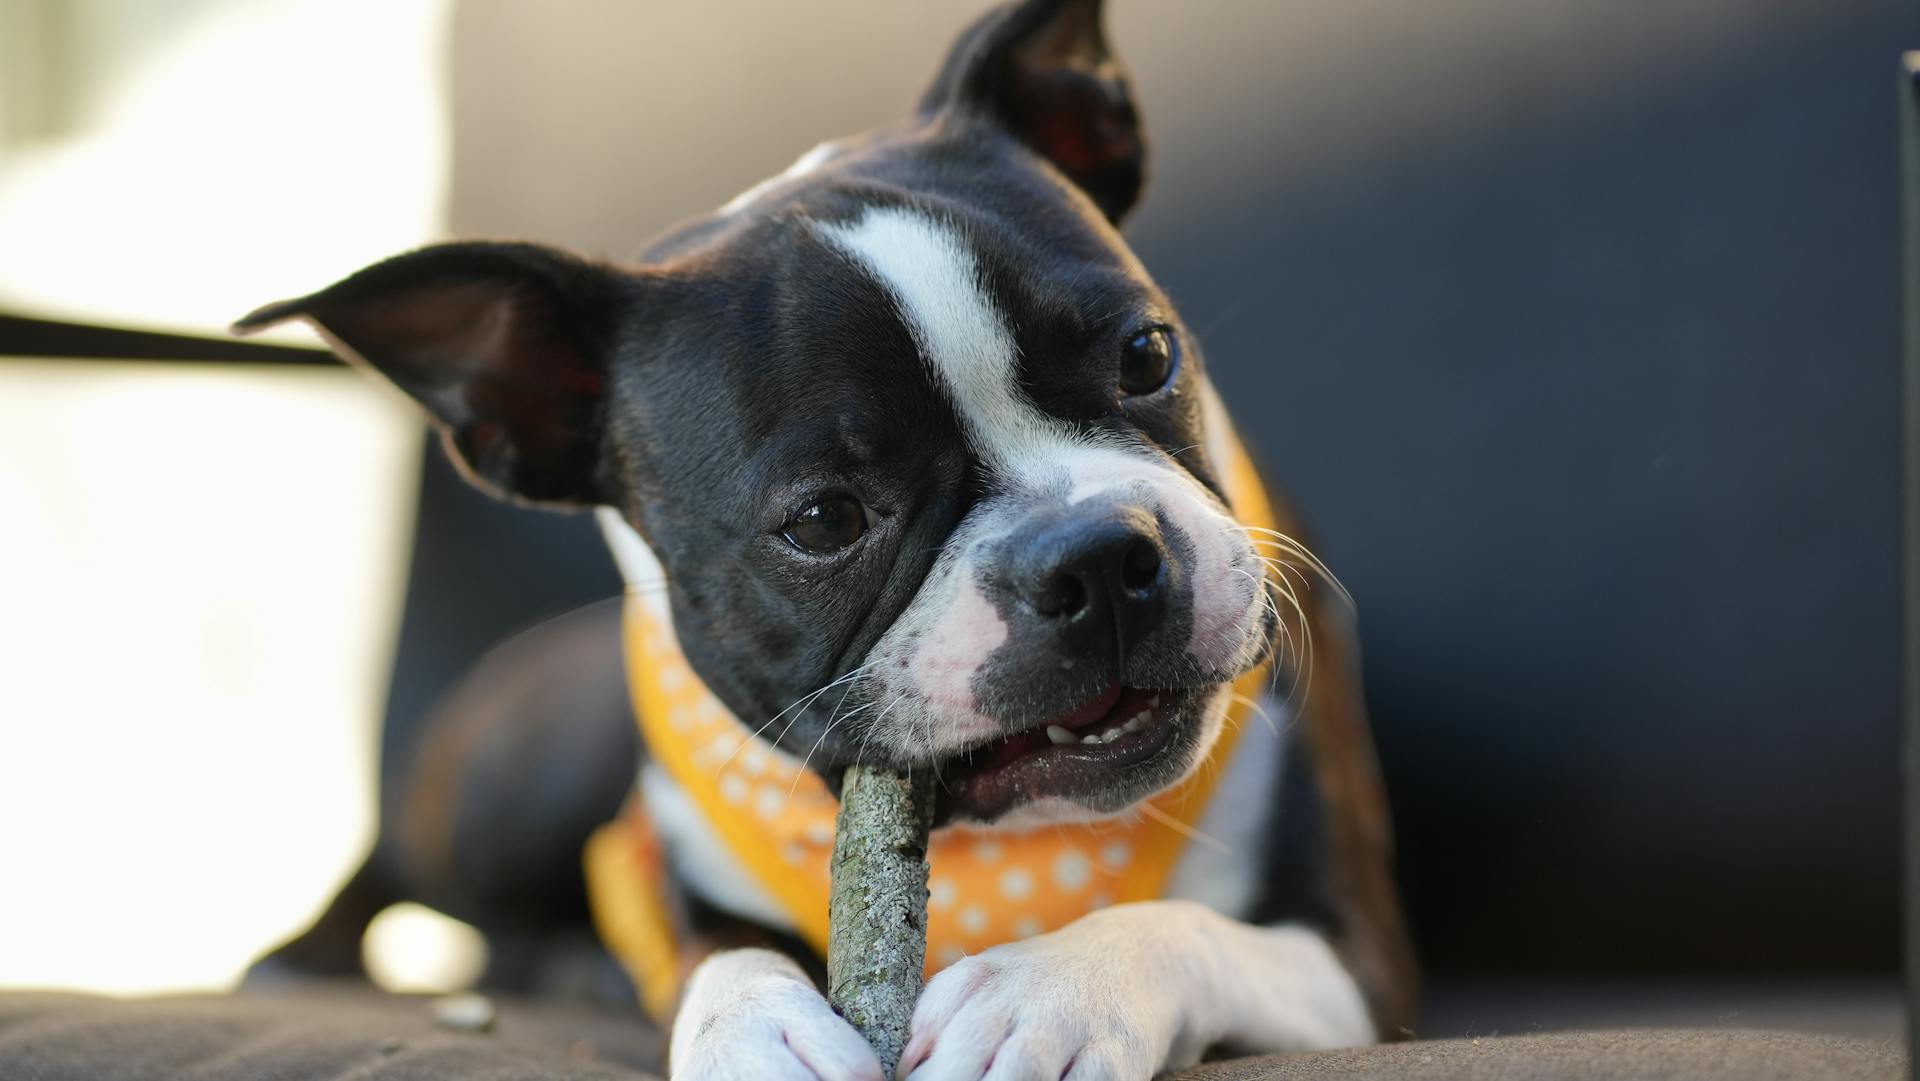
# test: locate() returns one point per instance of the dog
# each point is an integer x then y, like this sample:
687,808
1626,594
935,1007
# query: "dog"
907,460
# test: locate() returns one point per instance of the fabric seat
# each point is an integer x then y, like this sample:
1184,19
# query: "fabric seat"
336,1034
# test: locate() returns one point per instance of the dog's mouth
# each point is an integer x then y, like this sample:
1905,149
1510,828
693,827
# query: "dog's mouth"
1088,748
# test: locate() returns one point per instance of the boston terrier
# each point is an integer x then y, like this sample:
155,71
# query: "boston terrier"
908,460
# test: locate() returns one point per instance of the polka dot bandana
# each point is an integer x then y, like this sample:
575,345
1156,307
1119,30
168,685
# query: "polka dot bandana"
777,820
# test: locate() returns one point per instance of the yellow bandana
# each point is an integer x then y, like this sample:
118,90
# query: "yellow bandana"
776,819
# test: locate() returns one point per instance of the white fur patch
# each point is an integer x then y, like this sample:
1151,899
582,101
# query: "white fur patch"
1133,990
1226,877
970,631
639,568
927,269
700,859
752,1015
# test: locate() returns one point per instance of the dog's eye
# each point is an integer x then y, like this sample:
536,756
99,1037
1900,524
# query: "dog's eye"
827,526
1146,362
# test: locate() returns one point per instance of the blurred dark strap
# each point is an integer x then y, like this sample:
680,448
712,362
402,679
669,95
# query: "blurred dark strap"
21,336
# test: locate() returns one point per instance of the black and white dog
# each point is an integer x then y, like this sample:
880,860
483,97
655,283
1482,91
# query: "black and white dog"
912,409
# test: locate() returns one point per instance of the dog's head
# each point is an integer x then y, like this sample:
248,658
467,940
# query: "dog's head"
931,464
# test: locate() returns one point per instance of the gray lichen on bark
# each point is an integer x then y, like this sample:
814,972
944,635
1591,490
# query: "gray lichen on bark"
877,912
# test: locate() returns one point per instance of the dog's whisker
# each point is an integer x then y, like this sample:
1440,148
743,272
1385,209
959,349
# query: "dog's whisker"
1303,651
1265,596
832,722
802,702
1191,833
1254,705
1296,547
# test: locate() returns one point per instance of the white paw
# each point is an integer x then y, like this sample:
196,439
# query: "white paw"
751,1015
1080,1004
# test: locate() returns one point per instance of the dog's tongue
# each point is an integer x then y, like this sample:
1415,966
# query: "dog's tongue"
1085,715
1095,709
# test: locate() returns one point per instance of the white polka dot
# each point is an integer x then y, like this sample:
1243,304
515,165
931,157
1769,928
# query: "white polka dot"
754,761
1071,870
769,801
793,854
733,788
987,851
1116,854
1026,927
940,893
951,955
680,718
671,678
820,832
1100,900
973,920
1015,884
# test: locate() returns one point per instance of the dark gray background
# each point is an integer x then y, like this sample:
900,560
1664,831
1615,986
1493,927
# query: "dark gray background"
1571,324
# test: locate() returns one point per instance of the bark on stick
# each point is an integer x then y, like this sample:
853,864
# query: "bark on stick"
877,913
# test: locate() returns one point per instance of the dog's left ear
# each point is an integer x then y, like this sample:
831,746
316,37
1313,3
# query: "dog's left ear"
1041,69
506,345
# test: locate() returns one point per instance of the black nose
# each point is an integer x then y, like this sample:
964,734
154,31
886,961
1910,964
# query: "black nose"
1099,580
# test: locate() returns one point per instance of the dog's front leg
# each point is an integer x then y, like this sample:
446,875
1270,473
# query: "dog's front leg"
1129,991
752,1015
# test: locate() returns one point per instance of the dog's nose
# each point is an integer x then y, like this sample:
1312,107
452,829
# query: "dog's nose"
1098,579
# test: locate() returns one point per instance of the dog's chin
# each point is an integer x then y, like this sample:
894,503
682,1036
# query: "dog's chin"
1092,762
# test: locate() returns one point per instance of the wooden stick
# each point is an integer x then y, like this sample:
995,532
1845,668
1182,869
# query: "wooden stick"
877,912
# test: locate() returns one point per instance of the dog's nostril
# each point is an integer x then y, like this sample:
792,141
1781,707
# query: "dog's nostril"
1141,567
1064,595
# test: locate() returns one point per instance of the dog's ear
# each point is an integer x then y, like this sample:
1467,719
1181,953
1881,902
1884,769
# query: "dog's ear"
1041,69
506,345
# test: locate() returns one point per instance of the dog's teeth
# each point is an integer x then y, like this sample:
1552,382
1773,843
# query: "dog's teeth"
1058,734
1090,739
1110,735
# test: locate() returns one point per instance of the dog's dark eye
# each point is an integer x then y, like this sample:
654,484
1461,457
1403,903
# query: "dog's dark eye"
827,526
1146,362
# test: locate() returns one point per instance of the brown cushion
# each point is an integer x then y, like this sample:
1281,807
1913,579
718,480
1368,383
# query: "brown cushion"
310,1035
337,1034
1618,1055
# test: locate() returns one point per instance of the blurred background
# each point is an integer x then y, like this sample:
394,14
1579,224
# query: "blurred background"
1572,325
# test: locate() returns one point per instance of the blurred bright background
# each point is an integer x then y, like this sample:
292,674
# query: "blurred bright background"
1572,324
200,569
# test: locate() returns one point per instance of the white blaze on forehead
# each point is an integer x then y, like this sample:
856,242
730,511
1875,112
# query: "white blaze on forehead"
932,277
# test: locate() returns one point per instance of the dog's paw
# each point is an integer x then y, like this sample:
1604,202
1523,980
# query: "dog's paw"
751,1015
1080,1004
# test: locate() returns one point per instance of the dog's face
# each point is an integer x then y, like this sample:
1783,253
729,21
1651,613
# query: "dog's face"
923,451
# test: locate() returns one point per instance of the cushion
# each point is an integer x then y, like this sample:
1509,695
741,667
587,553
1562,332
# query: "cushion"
311,1035
336,1034
1685,1054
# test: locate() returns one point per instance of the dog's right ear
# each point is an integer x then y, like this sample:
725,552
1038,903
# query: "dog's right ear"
506,345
